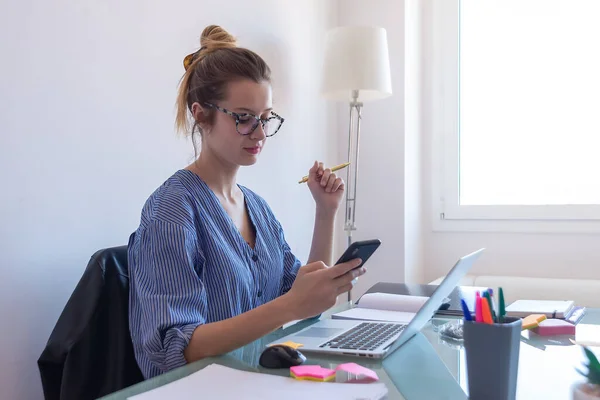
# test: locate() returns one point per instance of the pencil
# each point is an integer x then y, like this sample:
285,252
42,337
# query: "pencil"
336,168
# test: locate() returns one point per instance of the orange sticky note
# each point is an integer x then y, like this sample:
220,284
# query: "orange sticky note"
487,315
289,343
532,321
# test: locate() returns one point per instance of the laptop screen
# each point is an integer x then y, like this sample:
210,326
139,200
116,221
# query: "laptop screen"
427,311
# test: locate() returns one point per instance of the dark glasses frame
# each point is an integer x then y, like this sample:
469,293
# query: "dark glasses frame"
238,116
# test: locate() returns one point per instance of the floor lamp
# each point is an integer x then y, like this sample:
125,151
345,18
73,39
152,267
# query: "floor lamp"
356,69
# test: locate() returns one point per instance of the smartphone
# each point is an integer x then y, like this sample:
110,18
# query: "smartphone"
361,249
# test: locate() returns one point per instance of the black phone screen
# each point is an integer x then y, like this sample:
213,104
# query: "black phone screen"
361,249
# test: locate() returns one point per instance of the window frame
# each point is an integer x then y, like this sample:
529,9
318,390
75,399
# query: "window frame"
443,32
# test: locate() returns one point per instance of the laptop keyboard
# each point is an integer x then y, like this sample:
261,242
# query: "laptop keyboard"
366,336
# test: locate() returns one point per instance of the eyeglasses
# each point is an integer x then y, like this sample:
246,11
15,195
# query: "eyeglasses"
245,123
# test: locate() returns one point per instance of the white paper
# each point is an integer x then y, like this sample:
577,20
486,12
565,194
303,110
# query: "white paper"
219,382
294,322
365,314
523,308
392,302
587,335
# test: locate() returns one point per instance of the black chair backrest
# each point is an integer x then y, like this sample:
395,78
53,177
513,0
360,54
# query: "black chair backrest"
89,353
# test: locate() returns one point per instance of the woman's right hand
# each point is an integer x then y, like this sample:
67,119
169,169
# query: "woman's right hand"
317,286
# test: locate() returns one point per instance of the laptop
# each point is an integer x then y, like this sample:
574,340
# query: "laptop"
376,339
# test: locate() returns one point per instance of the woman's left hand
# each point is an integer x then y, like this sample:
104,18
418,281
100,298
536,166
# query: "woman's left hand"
326,188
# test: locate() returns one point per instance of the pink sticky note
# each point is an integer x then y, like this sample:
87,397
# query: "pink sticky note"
312,372
551,327
354,373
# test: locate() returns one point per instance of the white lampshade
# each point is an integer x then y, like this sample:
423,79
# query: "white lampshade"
356,58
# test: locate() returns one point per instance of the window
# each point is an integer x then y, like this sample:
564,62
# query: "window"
516,109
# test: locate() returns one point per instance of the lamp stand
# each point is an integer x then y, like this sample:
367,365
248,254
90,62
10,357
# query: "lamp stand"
352,172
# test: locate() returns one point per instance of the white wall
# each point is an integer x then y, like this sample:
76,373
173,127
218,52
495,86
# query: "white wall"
380,190
413,160
87,93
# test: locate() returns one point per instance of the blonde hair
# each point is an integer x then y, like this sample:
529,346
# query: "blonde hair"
210,69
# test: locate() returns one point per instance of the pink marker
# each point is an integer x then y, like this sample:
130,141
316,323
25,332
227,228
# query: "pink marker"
478,309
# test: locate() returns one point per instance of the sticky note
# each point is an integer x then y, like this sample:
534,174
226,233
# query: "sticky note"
354,373
312,373
532,321
289,343
551,327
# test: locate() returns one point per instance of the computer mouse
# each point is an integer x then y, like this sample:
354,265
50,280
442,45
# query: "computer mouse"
281,356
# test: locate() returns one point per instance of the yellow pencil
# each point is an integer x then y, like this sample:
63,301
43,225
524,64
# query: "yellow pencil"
336,168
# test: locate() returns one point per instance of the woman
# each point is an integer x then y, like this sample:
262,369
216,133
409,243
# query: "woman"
210,270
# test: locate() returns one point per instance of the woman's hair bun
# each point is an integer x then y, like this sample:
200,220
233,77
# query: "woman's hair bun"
214,37
208,71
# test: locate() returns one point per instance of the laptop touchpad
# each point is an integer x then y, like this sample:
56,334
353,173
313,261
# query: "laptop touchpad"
320,332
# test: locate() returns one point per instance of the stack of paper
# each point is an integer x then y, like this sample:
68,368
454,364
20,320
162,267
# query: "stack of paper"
219,382
550,308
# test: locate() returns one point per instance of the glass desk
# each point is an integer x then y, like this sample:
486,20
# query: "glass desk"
426,367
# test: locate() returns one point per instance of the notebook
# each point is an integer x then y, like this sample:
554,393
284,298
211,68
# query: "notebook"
550,308
220,382
384,307
451,306
576,315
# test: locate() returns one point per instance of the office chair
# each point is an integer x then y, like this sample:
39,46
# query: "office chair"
89,353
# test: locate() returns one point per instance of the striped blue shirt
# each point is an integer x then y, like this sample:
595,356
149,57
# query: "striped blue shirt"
189,265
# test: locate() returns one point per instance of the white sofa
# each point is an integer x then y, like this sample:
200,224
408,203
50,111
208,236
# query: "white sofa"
585,292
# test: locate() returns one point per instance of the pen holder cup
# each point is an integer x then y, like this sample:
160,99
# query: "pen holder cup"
492,352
